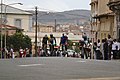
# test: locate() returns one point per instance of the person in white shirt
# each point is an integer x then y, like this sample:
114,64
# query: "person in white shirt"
102,48
21,52
118,53
98,53
11,52
118,44
114,49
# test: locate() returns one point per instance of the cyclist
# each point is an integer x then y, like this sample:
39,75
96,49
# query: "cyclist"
44,45
52,44
64,43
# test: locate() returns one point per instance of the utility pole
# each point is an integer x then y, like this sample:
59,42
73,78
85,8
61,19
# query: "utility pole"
1,27
55,25
36,12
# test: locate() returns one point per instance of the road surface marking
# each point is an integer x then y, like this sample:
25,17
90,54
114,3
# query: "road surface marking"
30,65
81,61
107,78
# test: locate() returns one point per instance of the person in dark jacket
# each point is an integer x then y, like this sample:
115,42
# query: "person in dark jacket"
105,47
44,44
64,42
109,47
94,49
52,44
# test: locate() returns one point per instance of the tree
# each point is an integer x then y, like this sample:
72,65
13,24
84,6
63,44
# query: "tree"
77,48
70,43
18,40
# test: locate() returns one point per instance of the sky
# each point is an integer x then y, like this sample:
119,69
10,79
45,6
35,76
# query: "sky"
51,5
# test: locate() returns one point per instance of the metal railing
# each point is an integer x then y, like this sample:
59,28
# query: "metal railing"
113,1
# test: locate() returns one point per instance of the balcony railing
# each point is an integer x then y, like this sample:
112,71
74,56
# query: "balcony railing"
114,5
113,1
94,0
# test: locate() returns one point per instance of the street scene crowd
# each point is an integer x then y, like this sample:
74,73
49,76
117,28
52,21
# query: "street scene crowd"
106,49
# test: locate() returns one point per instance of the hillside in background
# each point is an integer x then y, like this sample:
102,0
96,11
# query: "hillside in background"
72,16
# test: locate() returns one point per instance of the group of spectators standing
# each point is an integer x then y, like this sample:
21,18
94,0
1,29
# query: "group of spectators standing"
25,52
107,49
11,53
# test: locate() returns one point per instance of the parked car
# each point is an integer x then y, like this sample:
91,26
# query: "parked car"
72,53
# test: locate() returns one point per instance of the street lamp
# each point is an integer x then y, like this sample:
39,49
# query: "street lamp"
5,20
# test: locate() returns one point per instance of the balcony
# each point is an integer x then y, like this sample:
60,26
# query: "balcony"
95,14
114,5
114,2
93,2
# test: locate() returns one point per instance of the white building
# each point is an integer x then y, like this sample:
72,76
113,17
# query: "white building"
16,17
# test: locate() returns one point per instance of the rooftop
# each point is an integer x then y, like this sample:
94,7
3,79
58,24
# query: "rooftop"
13,10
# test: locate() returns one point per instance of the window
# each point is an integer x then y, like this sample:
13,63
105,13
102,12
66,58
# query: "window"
119,18
18,23
105,35
119,34
102,36
1,20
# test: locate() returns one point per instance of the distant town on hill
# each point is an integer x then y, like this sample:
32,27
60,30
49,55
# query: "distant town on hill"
78,17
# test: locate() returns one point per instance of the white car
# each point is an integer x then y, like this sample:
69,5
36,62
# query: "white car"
71,53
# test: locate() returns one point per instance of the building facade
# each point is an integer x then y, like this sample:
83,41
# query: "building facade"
114,5
43,28
16,17
10,30
102,21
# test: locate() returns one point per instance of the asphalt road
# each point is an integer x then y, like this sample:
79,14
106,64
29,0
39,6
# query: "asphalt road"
59,69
